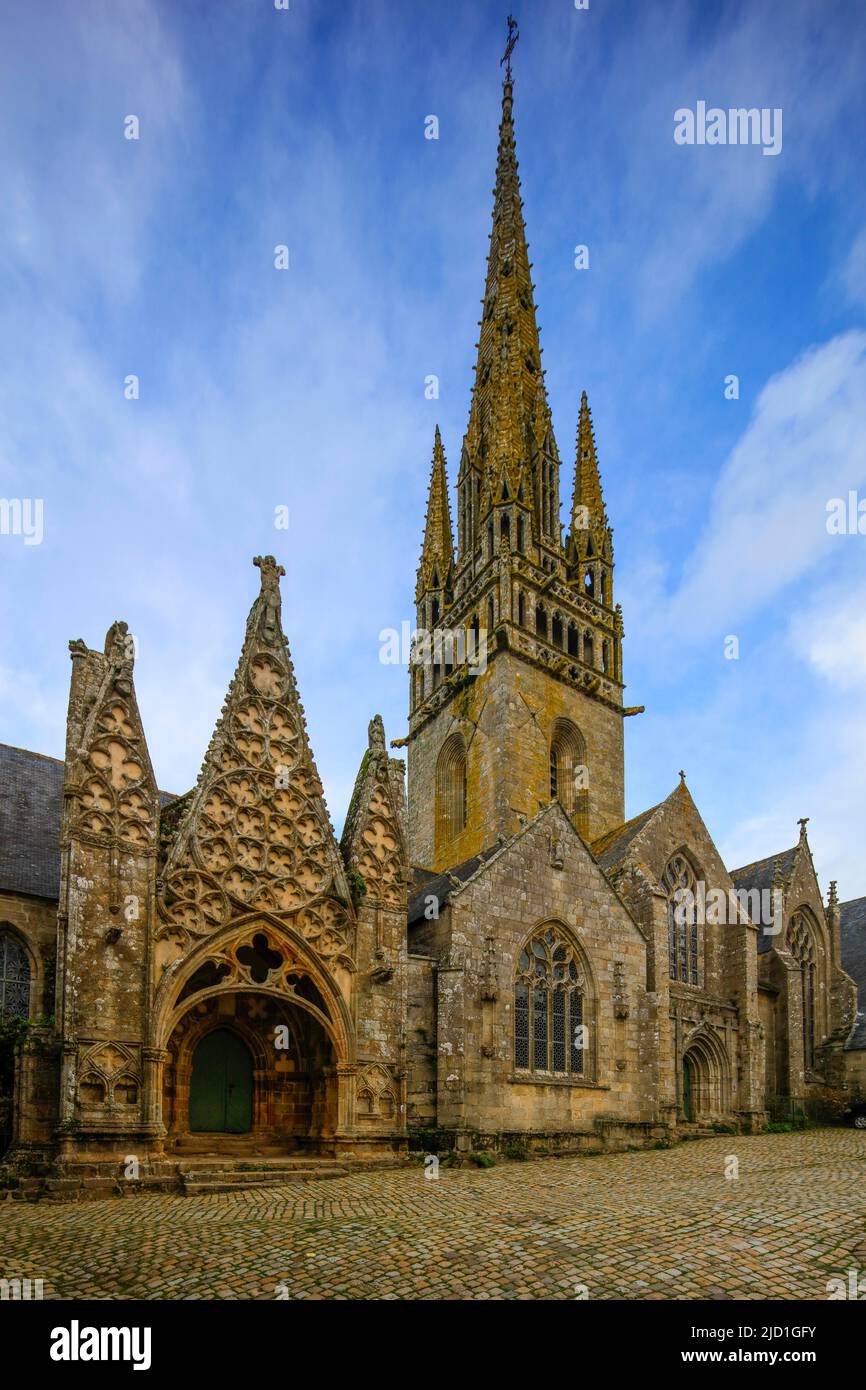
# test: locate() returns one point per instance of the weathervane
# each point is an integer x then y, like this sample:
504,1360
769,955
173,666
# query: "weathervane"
513,36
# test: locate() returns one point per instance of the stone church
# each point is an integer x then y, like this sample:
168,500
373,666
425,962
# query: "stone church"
491,956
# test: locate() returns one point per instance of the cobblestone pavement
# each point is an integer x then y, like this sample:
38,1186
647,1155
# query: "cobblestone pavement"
658,1224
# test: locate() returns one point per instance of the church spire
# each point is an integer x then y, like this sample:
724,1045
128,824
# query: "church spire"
509,453
526,623
437,553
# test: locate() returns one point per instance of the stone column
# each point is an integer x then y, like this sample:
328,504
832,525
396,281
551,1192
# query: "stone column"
346,1100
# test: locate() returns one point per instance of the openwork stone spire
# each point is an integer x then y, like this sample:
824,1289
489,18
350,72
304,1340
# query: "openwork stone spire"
509,451
437,554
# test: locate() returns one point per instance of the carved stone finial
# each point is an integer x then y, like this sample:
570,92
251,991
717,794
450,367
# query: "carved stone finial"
270,594
271,572
376,734
803,822
119,646
682,778
833,898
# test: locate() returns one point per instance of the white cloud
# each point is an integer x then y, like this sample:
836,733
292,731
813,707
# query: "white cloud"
830,634
805,444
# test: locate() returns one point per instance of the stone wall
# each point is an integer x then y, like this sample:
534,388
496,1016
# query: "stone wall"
545,875
421,1044
855,1073
722,1007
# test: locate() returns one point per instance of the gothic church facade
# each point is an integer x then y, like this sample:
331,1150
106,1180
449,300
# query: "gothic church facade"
491,955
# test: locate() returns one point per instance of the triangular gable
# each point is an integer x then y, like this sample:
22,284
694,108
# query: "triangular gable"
373,841
558,827
256,835
109,778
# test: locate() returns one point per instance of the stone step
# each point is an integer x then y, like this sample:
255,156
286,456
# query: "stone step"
196,1184
238,1144
213,1167
259,1175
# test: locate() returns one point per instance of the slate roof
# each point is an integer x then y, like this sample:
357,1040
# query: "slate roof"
426,883
31,803
31,807
853,922
759,875
609,849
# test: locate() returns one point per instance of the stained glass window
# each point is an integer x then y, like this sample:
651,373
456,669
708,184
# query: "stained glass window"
548,1007
14,978
801,944
521,1025
680,886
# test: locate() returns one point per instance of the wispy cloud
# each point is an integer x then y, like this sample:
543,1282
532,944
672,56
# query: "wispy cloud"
305,388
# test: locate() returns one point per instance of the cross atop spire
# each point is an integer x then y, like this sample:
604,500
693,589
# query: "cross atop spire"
513,36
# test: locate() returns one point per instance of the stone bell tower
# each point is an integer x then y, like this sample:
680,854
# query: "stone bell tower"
516,680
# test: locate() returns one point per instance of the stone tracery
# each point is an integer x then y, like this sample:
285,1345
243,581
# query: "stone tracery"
256,836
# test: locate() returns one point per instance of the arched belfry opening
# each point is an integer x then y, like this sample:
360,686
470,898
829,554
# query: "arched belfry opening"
451,796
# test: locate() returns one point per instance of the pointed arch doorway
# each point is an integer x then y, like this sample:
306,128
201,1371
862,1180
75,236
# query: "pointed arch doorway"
705,1078
221,1086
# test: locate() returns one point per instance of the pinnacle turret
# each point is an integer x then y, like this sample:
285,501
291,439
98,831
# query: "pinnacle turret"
589,548
437,553
587,506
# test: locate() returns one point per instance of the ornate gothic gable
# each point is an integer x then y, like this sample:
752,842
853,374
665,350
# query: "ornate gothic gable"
373,840
110,783
256,835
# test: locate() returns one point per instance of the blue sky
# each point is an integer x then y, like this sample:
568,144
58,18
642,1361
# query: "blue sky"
305,388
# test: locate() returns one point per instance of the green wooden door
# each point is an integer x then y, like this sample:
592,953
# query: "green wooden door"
221,1091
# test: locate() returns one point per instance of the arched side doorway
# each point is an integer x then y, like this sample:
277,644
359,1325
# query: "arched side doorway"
705,1086
221,1087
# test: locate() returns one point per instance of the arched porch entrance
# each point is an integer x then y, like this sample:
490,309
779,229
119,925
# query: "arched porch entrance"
282,1075
249,1064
